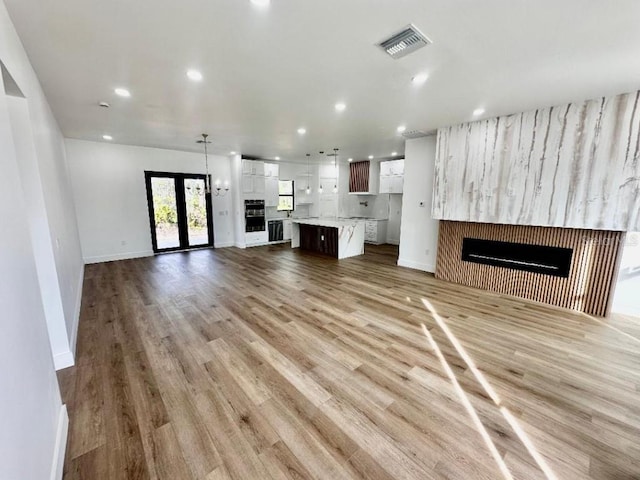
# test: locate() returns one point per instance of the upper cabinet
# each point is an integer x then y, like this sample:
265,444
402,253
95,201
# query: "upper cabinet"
392,176
271,191
271,170
253,167
253,177
364,177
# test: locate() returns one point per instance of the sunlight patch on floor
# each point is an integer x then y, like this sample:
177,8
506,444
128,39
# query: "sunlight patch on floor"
513,422
467,404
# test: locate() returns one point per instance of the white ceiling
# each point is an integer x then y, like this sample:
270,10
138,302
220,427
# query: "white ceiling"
269,71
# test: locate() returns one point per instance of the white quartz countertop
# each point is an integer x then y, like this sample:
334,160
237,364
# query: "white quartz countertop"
327,222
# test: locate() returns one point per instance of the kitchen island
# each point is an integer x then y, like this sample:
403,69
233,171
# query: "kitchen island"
338,238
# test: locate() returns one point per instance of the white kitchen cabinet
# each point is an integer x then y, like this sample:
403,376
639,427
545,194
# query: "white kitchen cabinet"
247,184
253,179
375,231
392,176
271,170
258,185
396,167
253,184
385,183
271,191
397,184
253,167
287,229
256,238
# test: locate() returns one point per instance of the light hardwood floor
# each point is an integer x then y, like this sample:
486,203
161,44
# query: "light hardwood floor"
272,363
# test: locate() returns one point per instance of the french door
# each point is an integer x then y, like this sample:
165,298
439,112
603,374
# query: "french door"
180,211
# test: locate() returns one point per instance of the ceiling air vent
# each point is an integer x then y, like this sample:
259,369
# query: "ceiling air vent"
408,40
415,134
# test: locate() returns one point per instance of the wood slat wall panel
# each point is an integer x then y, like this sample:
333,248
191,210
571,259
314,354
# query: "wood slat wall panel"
359,176
588,289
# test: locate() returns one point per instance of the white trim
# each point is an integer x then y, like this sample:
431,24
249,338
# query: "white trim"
241,245
74,332
60,448
63,360
426,267
223,244
67,359
118,256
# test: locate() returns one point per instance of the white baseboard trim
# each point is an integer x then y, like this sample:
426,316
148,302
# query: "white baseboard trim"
118,256
63,360
393,241
61,444
426,267
240,245
223,244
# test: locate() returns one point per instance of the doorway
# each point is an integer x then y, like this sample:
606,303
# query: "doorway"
180,211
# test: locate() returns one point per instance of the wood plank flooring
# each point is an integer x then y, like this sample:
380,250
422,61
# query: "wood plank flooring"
271,363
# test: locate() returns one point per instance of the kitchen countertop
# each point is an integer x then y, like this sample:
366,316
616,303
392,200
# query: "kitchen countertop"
364,219
327,222
338,220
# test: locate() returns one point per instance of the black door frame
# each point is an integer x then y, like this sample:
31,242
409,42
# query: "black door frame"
181,208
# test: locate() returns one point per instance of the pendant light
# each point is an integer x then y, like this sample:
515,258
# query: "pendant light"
308,175
335,169
207,181
320,190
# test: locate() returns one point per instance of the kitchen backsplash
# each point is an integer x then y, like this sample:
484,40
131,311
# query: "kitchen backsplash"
352,206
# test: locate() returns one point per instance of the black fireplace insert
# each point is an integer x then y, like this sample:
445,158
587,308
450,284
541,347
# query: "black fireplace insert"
544,259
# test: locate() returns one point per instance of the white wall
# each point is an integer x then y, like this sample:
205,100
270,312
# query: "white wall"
39,231
31,411
418,232
111,201
395,219
57,208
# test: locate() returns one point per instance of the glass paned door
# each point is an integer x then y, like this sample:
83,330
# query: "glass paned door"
165,211
180,211
196,207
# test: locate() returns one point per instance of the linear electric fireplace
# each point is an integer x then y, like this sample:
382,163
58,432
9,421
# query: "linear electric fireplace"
543,259
566,267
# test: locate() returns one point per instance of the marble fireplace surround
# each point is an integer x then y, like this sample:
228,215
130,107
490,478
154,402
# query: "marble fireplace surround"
574,166
592,276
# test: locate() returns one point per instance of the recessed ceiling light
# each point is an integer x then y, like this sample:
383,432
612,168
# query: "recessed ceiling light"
478,111
277,158
233,152
370,157
194,75
401,128
420,78
351,159
302,131
393,154
261,3
340,107
107,137
123,92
